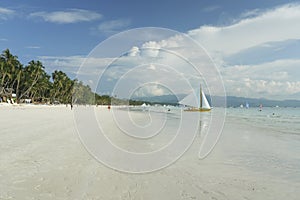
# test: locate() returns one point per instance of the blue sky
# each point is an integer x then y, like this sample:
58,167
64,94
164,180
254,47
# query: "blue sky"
253,43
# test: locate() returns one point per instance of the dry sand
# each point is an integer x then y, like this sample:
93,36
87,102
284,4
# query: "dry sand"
41,157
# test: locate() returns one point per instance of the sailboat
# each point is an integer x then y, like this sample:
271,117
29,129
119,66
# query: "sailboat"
199,104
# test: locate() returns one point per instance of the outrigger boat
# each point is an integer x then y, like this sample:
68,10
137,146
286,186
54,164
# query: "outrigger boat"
196,105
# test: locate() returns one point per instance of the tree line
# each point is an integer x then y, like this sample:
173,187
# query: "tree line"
32,82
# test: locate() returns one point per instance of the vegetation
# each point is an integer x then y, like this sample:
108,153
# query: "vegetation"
32,82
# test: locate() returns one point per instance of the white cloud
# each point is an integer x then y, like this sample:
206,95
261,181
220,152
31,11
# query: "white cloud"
263,88
110,27
74,62
276,24
33,47
152,89
62,61
251,13
286,70
68,16
152,67
211,8
134,51
277,79
5,13
92,66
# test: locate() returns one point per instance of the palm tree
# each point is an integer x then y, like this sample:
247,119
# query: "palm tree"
62,87
10,66
10,69
32,74
33,82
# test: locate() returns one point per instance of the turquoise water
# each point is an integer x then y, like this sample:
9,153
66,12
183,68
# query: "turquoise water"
286,120
268,144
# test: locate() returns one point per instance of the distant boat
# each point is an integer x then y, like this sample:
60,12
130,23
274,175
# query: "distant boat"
247,105
200,104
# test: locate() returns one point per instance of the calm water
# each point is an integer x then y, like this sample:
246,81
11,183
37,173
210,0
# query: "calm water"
270,144
265,142
286,120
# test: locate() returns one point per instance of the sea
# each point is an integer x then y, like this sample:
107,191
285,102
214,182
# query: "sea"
265,141
283,119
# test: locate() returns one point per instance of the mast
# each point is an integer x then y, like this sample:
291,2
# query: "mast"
200,96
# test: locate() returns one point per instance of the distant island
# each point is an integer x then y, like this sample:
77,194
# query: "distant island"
232,101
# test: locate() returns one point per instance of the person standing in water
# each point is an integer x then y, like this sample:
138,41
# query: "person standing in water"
260,107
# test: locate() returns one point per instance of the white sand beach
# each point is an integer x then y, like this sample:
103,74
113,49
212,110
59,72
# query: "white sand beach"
41,157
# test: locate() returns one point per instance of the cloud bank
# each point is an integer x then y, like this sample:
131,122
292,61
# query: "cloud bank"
276,24
269,40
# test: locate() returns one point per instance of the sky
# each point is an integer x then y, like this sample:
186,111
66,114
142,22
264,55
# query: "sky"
254,45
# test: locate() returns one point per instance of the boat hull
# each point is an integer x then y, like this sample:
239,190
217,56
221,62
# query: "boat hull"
198,110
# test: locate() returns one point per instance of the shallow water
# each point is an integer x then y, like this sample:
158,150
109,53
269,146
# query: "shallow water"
264,142
286,120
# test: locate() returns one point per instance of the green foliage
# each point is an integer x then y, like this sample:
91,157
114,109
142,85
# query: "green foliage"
32,82
82,94
62,87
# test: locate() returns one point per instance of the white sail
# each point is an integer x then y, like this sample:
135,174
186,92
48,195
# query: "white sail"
205,103
190,100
